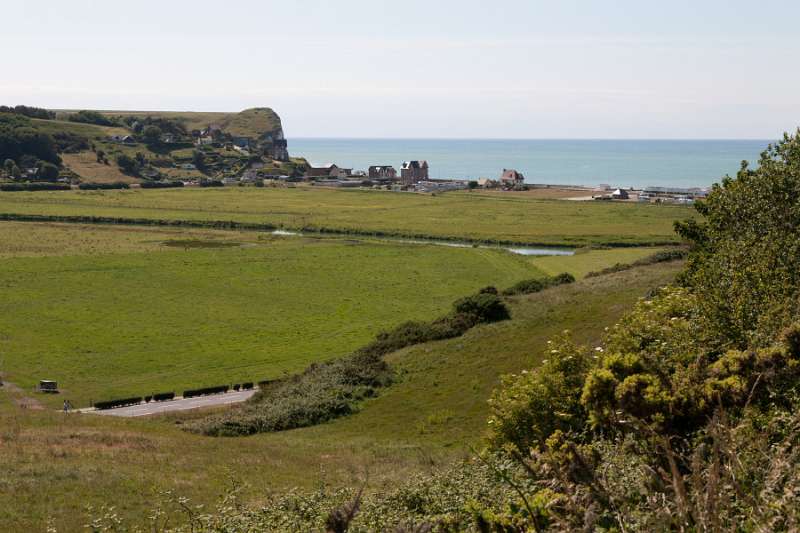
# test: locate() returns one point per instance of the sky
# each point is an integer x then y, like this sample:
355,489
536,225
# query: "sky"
421,69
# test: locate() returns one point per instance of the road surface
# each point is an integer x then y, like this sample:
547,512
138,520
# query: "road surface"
178,404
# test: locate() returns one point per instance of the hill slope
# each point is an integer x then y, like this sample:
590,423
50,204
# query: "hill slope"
431,416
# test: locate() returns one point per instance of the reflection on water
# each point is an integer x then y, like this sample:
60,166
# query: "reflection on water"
452,244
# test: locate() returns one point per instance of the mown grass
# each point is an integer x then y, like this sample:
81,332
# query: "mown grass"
130,323
465,216
55,465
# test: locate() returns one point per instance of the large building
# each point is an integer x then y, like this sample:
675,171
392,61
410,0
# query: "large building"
511,178
328,171
414,171
382,173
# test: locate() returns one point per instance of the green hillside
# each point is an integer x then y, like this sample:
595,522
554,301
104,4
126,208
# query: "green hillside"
430,417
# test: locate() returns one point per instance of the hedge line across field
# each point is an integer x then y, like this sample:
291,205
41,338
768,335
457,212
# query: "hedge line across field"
191,393
319,230
19,187
165,396
161,184
103,186
111,404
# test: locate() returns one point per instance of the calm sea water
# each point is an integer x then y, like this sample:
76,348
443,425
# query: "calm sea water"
622,163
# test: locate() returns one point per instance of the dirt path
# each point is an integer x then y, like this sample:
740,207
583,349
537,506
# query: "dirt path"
19,396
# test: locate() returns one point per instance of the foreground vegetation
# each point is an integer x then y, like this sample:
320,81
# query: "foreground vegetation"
514,219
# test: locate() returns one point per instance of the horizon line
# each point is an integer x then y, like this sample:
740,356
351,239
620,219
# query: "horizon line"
356,138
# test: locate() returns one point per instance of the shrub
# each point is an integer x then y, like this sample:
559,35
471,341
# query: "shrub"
91,117
111,404
35,186
48,172
191,393
530,286
163,396
127,163
485,307
160,184
102,186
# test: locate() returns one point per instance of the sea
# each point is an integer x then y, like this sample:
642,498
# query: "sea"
619,163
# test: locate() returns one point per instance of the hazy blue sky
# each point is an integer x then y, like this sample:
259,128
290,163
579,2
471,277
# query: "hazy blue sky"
465,68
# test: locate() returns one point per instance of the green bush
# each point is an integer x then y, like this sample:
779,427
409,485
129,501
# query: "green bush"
91,117
35,186
530,286
103,186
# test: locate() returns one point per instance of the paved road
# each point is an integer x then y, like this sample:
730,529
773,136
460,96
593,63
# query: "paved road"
178,404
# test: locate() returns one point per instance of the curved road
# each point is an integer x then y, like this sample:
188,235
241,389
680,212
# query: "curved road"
178,404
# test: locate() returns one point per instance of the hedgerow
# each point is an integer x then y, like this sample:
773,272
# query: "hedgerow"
530,286
325,391
662,256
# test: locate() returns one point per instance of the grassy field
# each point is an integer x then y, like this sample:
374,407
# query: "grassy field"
467,216
55,465
585,261
111,312
249,123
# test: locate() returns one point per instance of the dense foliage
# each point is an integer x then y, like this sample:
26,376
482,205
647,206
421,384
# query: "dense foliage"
103,186
530,286
91,117
684,418
29,111
747,249
19,140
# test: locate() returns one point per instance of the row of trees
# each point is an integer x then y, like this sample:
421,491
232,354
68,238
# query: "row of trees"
28,111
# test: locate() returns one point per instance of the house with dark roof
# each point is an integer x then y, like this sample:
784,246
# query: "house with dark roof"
327,171
413,171
382,173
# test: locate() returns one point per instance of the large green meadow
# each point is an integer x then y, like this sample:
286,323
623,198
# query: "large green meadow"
452,215
126,311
